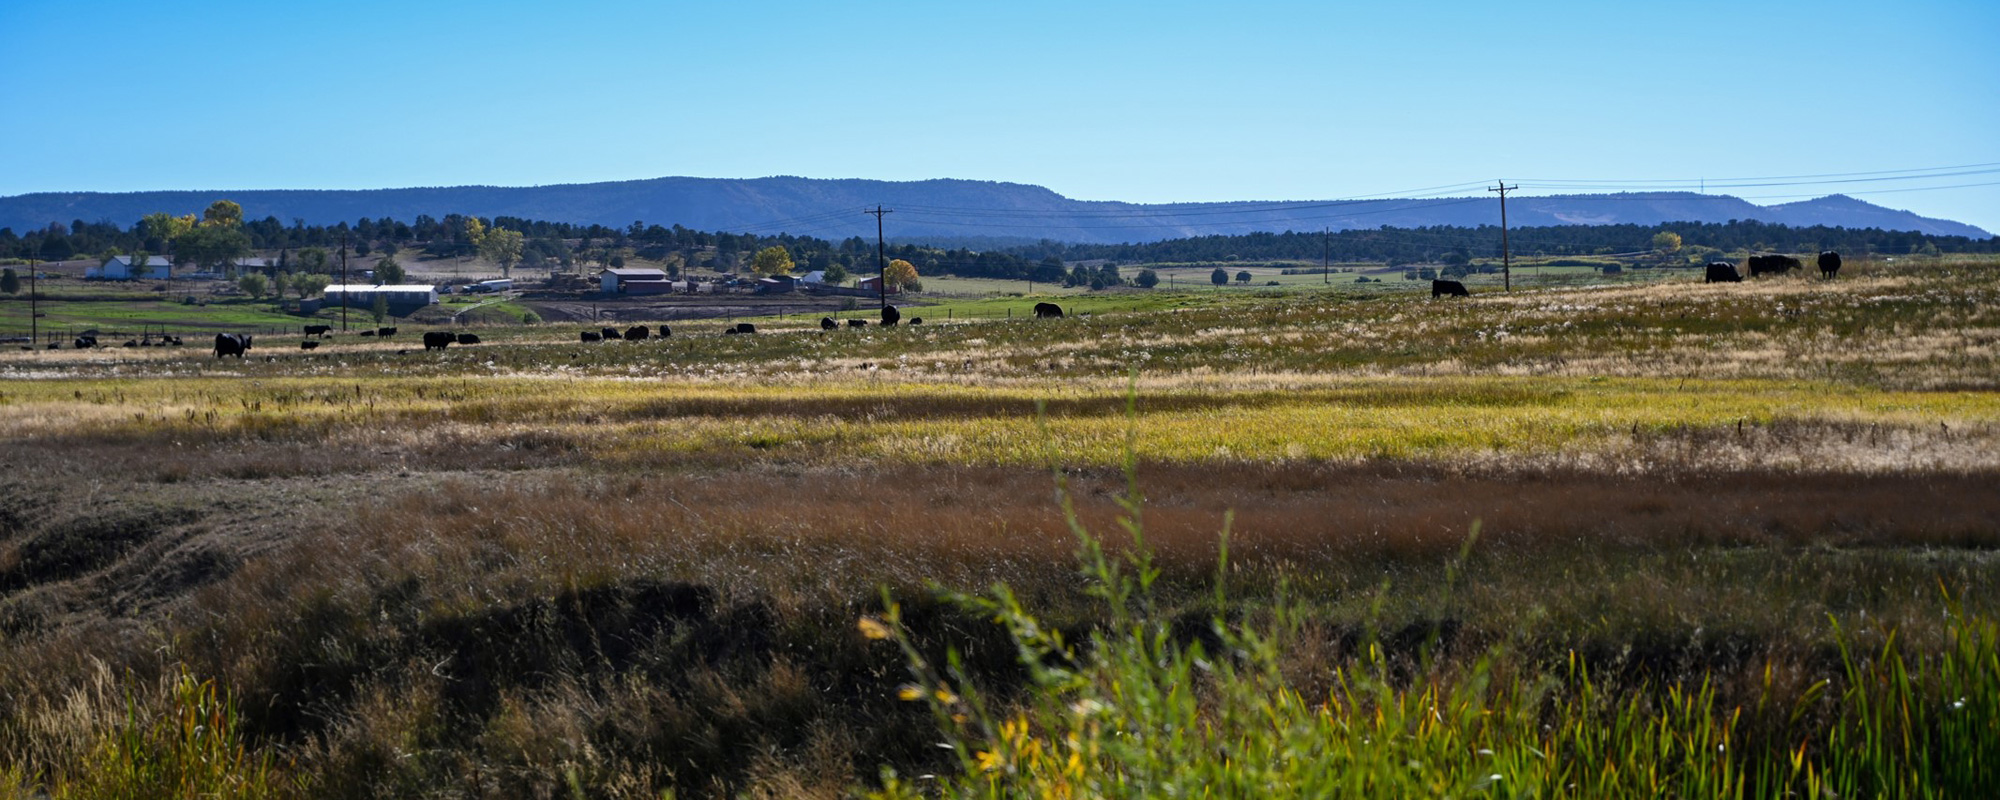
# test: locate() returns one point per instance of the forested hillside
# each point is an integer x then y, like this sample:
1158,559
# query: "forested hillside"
934,209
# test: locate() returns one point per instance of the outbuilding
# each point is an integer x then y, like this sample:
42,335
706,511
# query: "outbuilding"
613,280
402,298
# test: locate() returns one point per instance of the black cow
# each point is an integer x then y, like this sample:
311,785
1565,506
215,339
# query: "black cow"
130,343
589,336
612,333
827,324
85,342
1443,288
1722,272
438,340
664,332
318,330
1046,310
745,327
916,320
468,338
308,344
385,331
1774,265
857,323
231,344
1829,264
176,341
890,316
638,333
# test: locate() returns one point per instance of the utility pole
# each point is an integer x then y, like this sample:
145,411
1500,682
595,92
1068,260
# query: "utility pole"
34,309
343,282
1506,255
881,257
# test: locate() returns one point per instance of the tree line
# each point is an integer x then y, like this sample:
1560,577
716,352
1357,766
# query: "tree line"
220,235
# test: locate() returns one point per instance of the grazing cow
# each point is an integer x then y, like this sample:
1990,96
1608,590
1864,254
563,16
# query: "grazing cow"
85,342
611,333
308,344
857,323
638,333
589,336
1722,272
745,327
231,344
385,332
916,320
55,345
729,331
438,340
318,330
468,338
130,343
368,333
1047,310
827,324
1443,288
176,341
1774,265
1829,264
890,316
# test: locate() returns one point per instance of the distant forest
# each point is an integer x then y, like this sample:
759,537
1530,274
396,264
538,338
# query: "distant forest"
551,245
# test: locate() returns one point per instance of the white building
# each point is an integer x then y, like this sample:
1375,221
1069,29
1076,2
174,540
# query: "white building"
121,268
408,296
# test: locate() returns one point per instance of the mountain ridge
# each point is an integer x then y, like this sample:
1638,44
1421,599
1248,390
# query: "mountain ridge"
944,207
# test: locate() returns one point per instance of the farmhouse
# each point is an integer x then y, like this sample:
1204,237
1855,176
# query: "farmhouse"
401,298
121,268
776,284
619,279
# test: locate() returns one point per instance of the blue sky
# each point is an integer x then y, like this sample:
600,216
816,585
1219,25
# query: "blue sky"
1147,102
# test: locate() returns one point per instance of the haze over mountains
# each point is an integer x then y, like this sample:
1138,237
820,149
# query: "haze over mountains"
944,209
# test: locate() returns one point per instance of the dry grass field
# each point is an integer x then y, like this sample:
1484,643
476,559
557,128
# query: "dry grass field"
539,567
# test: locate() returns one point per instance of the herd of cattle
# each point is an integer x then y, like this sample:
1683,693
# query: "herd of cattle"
1725,272
235,344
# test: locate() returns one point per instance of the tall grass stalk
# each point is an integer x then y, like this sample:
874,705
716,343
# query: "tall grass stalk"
1138,712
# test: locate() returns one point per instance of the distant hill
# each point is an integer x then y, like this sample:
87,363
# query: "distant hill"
953,209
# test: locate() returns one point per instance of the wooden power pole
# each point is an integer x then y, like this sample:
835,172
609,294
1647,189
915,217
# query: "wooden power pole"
1506,255
881,258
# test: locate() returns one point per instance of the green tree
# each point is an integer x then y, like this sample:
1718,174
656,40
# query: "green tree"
775,260
253,284
314,259
379,309
1219,277
388,270
10,283
1146,279
213,248
1243,277
1666,243
280,283
307,284
498,245
836,274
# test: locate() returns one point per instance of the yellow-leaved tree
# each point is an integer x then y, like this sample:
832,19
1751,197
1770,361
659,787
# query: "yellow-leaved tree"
773,260
902,275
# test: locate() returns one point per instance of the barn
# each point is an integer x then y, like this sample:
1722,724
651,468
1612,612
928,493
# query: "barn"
402,298
615,279
121,268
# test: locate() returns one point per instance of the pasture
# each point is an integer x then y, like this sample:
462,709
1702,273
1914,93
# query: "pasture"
538,566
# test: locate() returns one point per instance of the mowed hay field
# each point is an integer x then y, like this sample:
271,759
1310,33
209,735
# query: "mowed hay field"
540,567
